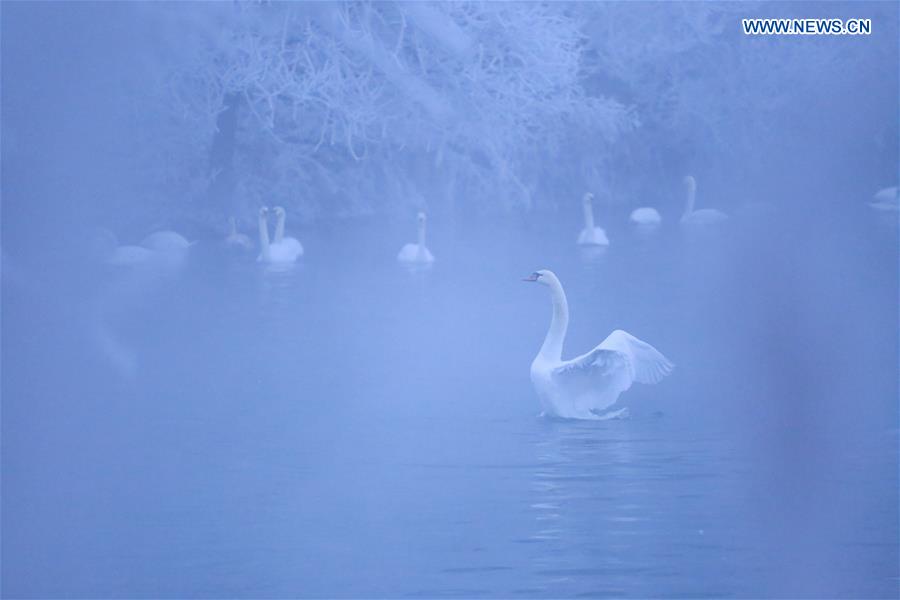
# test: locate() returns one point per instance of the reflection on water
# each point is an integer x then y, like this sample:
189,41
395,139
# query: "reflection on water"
622,513
346,427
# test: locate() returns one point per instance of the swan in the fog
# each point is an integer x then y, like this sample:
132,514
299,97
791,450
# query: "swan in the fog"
886,200
591,235
166,241
235,239
285,245
161,249
417,253
586,387
703,216
102,245
645,216
271,252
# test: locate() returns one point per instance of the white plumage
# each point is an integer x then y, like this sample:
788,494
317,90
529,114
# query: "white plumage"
588,386
417,253
282,244
166,241
284,250
591,235
704,217
645,216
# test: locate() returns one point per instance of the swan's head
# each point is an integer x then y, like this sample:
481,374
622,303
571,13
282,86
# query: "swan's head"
543,277
587,198
690,183
263,212
421,218
279,212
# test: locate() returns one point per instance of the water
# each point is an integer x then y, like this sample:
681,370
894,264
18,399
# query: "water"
348,428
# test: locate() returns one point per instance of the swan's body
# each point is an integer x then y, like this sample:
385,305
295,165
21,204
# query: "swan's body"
235,239
591,235
645,216
703,217
166,241
586,387
282,252
285,245
886,200
417,253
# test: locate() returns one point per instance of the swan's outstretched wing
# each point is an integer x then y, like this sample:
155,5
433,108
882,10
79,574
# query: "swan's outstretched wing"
596,379
646,363
592,382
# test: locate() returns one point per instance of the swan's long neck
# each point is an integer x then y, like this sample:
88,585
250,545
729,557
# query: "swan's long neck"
421,238
588,214
279,228
559,323
691,196
264,236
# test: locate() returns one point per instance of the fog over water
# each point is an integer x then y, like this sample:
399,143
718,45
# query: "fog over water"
196,422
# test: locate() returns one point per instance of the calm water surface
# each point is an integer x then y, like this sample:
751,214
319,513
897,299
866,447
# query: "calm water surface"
348,428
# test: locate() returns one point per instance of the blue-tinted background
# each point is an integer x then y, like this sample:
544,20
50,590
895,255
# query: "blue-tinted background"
210,427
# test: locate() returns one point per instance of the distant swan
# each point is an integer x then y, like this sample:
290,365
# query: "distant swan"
591,235
587,386
290,245
645,216
166,241
702,217
235,239
102,245
417,253
163,248
275,252
886,200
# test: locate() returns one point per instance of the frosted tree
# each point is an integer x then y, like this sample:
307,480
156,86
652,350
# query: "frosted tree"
343,108
355,107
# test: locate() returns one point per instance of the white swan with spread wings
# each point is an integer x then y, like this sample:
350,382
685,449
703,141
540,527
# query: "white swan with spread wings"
588,386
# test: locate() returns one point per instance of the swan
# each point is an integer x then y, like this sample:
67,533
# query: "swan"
235,239
886,200
704,216
417,253
590,235
587,386
166,241
287,245
275,253
645,216
103,246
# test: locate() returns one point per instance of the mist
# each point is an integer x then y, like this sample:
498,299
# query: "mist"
195,405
